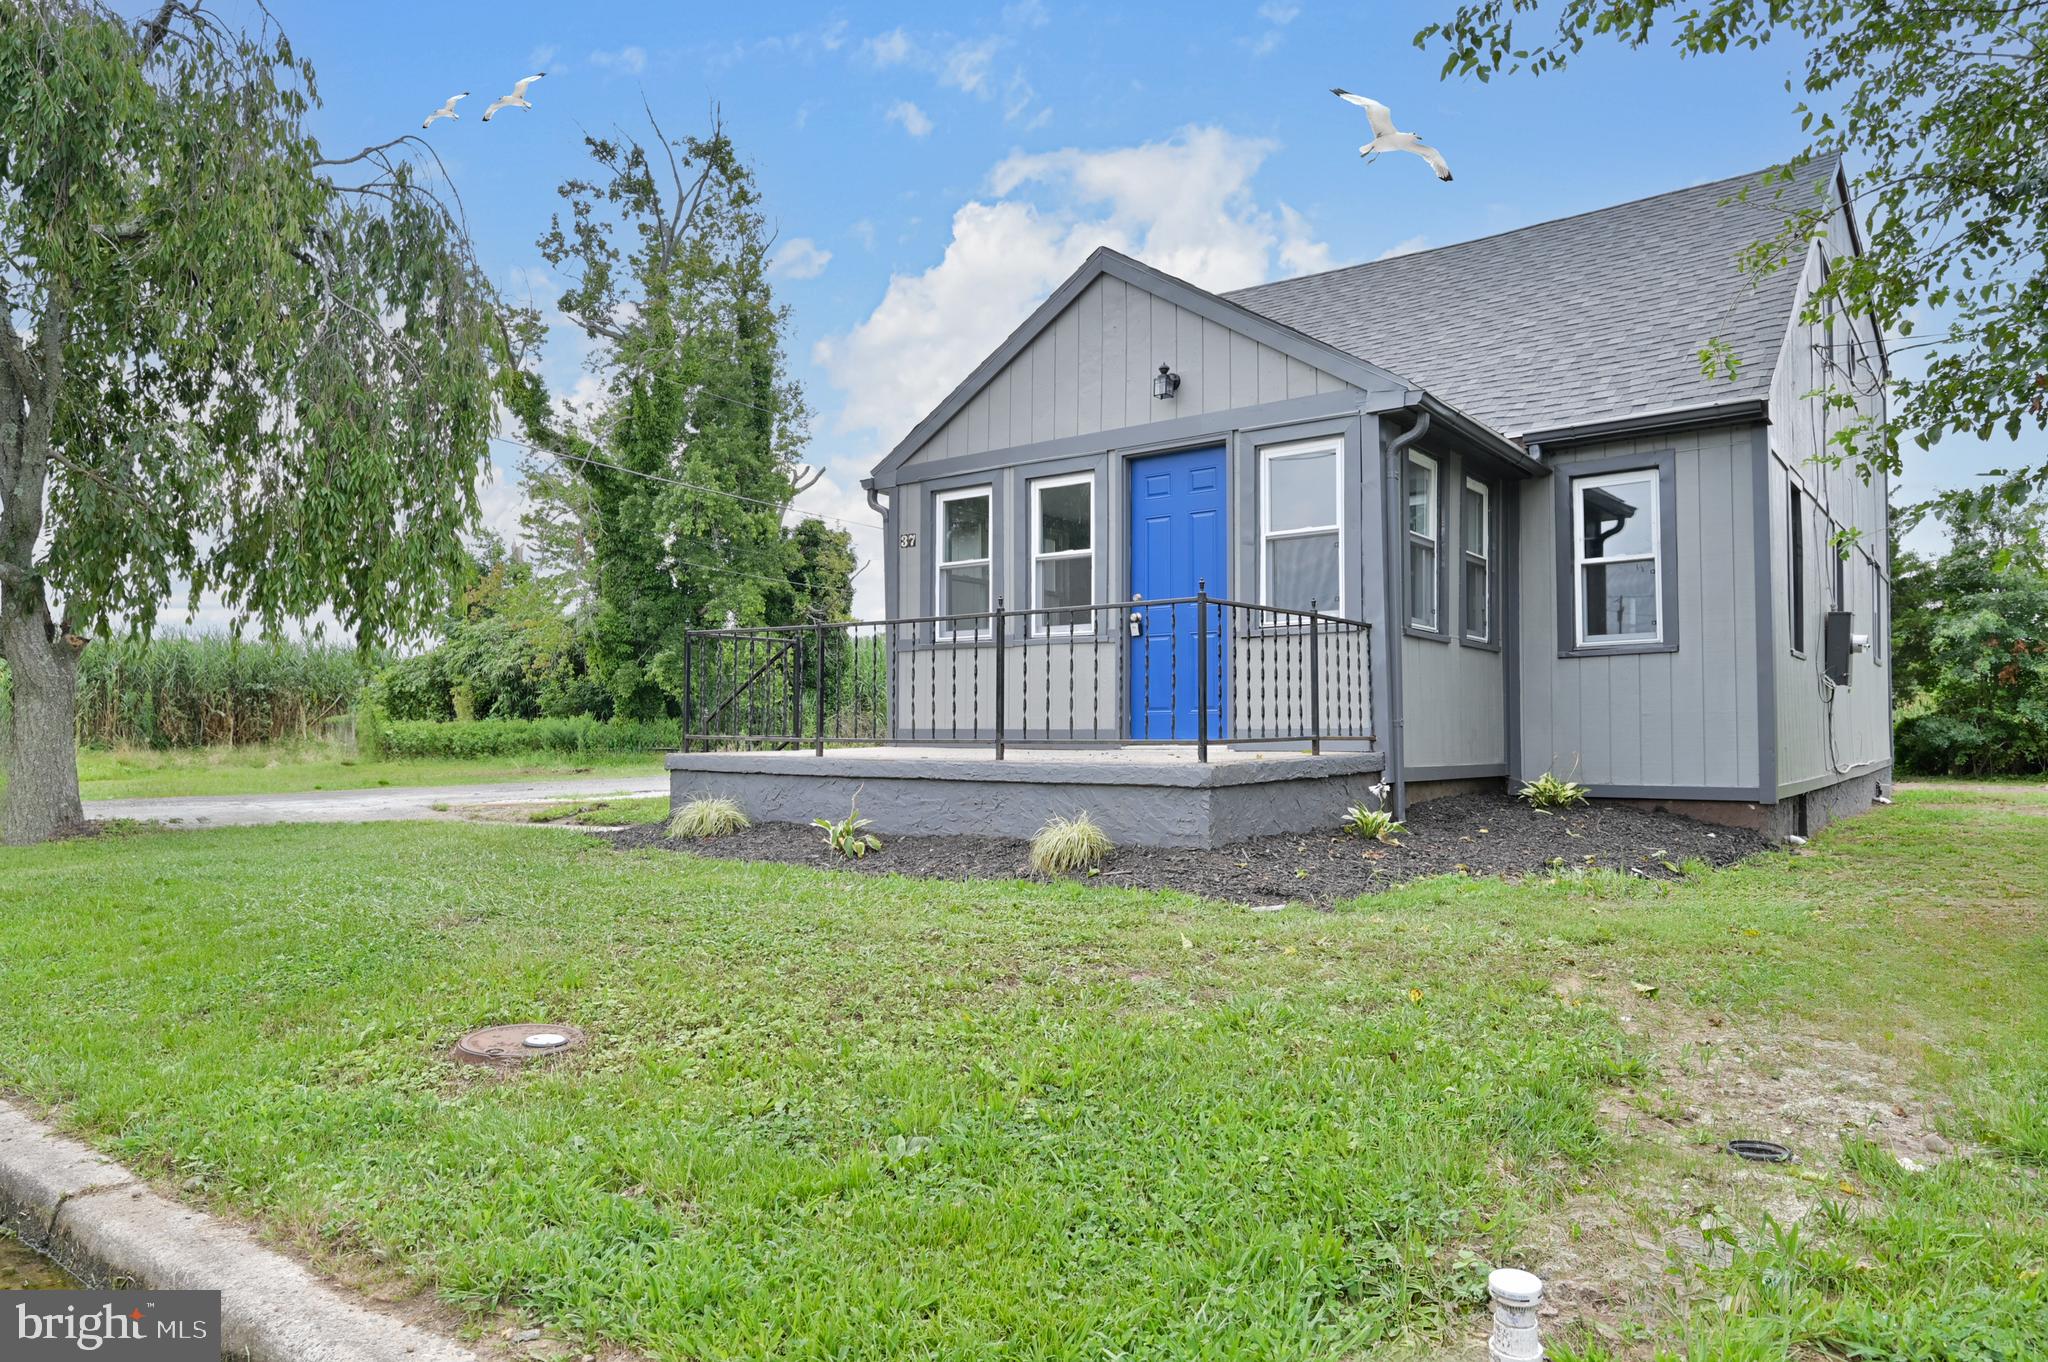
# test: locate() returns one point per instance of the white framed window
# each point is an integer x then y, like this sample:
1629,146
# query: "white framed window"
962,560
1301,531
1063,555
1419,481
1476,542
1617,560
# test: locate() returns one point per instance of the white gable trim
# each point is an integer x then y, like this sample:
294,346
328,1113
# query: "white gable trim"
1105,261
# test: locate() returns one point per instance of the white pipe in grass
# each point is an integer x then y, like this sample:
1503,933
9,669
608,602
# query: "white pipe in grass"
1516,1295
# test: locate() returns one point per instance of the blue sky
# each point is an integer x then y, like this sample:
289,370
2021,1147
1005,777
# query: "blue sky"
933,170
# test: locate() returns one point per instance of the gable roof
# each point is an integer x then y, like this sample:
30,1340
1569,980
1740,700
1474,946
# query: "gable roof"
1355,369
1587,319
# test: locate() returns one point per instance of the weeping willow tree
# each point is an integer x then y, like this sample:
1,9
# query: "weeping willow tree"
235,367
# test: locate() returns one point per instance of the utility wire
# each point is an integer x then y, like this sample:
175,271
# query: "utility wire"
690,486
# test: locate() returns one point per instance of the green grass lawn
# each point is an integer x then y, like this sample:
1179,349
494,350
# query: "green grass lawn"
850,1117
134,773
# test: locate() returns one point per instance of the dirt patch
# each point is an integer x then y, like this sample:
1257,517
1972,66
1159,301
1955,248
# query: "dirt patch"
1479,834
1605,1256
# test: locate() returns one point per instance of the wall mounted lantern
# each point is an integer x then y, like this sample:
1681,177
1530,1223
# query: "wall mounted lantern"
1165,383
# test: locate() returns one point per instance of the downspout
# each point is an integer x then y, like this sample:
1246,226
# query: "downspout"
1397,580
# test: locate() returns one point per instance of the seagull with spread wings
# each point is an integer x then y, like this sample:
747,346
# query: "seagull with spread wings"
1385,137
445,111
516,100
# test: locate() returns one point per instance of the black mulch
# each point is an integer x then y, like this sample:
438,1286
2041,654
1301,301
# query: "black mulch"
1482,834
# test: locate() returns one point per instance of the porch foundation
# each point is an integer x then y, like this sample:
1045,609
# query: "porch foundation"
1139,796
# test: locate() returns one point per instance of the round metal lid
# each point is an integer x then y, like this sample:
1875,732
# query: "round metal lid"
516,1044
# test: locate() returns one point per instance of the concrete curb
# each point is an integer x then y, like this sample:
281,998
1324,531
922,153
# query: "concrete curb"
104,1225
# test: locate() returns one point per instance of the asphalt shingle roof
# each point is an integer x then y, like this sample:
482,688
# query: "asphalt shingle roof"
1583,319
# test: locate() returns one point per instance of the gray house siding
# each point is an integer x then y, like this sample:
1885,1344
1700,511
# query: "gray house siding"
1683,723
1091,371
1454,690
1826,734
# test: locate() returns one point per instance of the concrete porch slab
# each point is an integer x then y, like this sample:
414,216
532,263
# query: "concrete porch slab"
1140,796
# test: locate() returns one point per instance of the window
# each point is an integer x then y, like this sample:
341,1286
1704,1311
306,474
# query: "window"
1877,629
1301,541
1476,540
963,560
1616,537
1421,495
1063,554
1798,572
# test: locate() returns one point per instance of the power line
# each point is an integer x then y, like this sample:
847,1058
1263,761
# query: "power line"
690,486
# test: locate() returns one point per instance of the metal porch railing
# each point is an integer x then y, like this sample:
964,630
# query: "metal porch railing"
1186,670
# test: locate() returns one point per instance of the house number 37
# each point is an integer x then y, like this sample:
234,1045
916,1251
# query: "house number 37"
906,541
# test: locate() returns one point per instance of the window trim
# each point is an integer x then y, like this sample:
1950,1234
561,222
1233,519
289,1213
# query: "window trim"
1440,630
1294,449
1486,556
1795,565
1879,631
942,629
1040,625
1663,465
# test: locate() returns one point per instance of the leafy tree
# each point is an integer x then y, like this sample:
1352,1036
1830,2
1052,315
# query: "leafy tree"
1970,641
1945,106
230,360
690,459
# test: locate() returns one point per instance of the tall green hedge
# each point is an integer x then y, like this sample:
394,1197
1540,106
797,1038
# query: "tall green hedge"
584,736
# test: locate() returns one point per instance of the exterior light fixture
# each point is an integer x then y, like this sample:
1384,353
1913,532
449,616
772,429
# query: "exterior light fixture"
1165,383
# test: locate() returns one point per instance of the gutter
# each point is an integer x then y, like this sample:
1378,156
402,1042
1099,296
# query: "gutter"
1650,422
1397,576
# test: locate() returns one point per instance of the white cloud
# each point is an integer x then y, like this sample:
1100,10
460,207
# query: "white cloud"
889,49
1025,14
1278,15
631,60
1017,98
542,58
914,120
864,232
1405,246
965,66
1184,205
800,258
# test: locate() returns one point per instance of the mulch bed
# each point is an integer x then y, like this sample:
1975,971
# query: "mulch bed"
1480,834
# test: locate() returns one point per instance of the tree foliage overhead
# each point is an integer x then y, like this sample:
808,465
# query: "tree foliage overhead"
678,476
231,364
1942,109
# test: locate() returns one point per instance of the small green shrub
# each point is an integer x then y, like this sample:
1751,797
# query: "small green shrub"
849,836
1065,845
1547,793
708,816
1377,824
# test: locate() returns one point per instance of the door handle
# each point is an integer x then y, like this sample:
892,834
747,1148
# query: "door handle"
1137,624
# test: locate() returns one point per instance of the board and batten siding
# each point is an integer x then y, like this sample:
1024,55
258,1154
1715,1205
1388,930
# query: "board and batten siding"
1454,693
1673,722
1091,370
1826,734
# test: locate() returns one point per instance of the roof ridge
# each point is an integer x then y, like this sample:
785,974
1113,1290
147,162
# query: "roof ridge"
1234,294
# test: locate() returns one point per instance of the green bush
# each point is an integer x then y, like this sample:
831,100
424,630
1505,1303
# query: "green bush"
1377,824
1987,714
1548,793
403,738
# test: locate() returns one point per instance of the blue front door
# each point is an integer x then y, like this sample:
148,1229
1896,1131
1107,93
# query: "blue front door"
1179,540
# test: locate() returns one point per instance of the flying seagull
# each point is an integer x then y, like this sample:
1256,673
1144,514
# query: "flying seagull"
445,111
1386,138
516,100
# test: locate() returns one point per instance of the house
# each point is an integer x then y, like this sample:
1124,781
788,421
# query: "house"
1446,520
